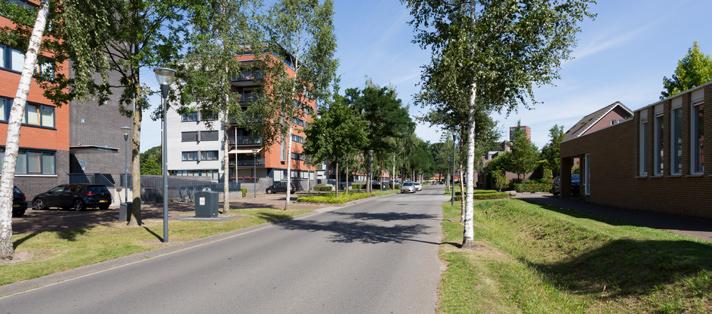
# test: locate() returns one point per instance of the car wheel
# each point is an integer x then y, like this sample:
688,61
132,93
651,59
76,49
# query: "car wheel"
38,204
18,213
78,205
104,207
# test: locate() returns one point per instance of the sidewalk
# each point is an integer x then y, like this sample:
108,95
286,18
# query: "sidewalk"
700,228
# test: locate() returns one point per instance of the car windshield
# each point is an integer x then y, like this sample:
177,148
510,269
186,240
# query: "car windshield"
97,189
408,184
16,190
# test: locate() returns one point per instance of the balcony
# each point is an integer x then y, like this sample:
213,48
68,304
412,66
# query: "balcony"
259,162
243,141
248,78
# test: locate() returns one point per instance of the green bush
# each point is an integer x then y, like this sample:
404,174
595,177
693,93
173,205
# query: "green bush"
532,186
323,188
485,195
358,186
500,180
331,198
243,191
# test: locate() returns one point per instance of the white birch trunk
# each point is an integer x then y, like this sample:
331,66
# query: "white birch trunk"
289,165
469,236
12,144
226,165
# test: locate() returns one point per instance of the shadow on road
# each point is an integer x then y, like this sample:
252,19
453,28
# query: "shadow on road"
390,216
353,231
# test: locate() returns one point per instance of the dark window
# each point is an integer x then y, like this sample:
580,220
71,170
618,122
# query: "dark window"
210,136
189,117
32,162
209,155
659,145
298,139
676,139
189,156
698,139
208,116
189,136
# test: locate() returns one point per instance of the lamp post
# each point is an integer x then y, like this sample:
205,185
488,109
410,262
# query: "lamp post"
126,163
254,172
165,77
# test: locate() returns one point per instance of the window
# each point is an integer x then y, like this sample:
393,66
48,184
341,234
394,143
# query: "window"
676,142
32,114
299,122
189,117
643,144
47,113
5,104
17,60
659,142
297,156
282,150
32,162
190,156
45,68
210,136
297,138
208,116
697,138
209,155
189,136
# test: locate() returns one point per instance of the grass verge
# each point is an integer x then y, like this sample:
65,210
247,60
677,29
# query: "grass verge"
43,253
535,260
331,198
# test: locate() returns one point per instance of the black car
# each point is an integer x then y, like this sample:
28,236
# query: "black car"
280,187
375,185
575,185
74,196
19,203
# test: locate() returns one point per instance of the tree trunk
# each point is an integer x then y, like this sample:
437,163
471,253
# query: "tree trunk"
469,233
289,165
380,172
336,187
12,144
346,187
462,195
136,160
226,165
393,174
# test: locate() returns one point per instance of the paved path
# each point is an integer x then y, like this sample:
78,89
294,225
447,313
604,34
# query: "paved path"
691,226
379,256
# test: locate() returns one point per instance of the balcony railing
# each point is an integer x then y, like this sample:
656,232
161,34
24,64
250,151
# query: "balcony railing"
250,75
246,141
259,162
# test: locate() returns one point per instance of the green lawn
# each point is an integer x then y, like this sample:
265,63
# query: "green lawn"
534,260
44,253
331,198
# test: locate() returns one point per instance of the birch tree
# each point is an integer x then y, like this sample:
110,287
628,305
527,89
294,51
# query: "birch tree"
303,30
12,143
222,30
489,56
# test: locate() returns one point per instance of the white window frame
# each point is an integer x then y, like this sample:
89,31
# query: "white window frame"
643,144
693,145
675,160
658,165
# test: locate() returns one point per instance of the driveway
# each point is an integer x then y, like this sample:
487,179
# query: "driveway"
691,226
378,256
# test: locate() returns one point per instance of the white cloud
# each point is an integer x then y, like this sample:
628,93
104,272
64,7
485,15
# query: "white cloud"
608,40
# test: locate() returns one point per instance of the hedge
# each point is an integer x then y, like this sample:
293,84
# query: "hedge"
323,188
532,187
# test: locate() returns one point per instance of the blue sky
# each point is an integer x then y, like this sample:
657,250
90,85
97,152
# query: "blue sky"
622,55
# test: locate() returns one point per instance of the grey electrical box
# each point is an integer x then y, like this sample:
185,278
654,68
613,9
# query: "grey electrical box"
206,204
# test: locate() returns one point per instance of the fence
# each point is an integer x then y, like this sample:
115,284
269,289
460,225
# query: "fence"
180,188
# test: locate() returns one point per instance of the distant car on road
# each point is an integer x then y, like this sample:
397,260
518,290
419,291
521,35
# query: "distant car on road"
375,184
280,187
408,187
19,202
418,186
74,196
575,185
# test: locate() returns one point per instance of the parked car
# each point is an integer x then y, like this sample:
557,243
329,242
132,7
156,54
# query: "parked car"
575,185
408,187
74,196
418,186
376,185
280,187
19,202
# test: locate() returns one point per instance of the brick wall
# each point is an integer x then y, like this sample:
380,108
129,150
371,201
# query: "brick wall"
614,159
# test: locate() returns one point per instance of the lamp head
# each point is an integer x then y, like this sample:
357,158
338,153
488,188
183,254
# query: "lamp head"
165,76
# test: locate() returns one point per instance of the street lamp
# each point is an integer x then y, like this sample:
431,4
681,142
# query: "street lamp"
254,172
126,130
165,78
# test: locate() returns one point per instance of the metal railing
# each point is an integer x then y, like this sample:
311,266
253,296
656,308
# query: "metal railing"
246,141
259,162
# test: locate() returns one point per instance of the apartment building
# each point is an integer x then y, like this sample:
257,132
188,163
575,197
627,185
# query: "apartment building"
651,159
196,147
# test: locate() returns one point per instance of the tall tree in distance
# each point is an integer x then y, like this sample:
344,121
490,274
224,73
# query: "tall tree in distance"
551,152
524,155
12,142
304,31
694,69
337,135
490,55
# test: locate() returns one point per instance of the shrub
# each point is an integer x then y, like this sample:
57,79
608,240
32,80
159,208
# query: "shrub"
358,186
500,180
532,186
323,188
243,191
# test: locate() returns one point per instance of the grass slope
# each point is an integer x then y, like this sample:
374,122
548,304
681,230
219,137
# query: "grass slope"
534,260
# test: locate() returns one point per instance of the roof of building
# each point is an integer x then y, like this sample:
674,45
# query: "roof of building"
590,120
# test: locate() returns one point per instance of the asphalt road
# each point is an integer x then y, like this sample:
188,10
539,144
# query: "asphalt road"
379,256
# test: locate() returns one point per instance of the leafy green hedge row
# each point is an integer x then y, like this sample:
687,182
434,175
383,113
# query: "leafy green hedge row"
532,187
323,188
485,195
333,199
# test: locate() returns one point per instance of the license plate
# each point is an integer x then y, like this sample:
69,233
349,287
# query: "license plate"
16,205
103,201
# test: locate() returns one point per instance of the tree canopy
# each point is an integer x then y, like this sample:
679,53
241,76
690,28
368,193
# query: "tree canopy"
551,152
694,69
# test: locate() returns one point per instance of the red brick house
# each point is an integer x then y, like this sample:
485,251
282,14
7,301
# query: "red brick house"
654,159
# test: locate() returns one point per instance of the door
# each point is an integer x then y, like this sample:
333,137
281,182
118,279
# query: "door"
52,197
587,175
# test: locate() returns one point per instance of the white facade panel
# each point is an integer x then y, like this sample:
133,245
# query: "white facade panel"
176,146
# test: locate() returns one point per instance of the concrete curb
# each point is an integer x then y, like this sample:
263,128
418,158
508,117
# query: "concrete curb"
29,285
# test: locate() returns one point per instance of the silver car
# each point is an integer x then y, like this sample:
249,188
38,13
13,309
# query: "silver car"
408,187
418,186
